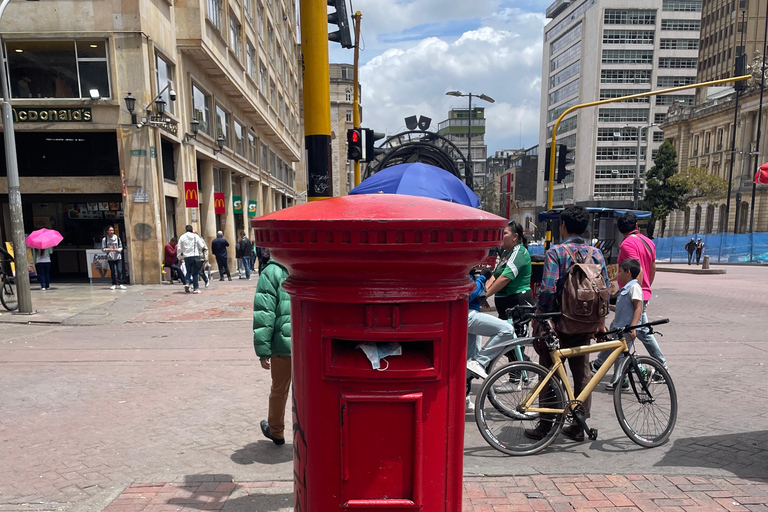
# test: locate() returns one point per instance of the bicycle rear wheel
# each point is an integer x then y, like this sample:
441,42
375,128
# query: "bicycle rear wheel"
8,294
501,420
648,420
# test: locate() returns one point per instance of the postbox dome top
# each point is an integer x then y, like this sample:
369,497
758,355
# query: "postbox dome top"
368,207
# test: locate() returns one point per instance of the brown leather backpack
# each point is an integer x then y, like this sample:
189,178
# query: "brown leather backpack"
584,299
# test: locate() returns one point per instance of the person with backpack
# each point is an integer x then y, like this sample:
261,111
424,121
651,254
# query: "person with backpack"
576,284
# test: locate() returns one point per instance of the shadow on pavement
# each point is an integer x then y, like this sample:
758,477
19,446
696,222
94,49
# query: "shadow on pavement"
261,499
263,452
744,454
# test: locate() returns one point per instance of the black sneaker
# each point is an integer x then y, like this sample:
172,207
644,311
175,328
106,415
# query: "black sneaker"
265,430
537,434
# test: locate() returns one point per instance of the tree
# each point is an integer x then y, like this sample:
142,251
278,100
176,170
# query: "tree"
489,197
700,184
663,195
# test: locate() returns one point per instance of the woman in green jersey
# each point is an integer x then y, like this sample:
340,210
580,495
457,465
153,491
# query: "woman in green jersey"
511,281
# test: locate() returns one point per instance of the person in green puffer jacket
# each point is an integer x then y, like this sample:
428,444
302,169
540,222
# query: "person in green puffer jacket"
272,342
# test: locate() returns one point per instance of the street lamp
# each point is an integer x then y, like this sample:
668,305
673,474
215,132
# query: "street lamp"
219,142
468,173
636,187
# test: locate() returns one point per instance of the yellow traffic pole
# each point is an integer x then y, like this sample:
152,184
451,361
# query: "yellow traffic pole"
552,150
317,98
355,99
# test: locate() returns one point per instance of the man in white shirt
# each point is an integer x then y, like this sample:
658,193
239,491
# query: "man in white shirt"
191,248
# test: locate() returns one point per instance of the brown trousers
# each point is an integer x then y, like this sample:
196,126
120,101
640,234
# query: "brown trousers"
278,395
579,365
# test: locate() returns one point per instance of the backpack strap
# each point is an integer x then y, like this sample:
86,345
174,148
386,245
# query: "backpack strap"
647,247
573,256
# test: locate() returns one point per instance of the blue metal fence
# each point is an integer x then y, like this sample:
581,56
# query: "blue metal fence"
721,248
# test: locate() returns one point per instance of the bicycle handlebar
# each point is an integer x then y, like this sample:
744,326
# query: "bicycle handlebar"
622,330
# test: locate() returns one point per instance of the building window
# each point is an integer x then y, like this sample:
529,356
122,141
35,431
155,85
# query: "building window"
563,24
619,153
677,63
565,74
262,77
604,172
248,9
239,133
169,164
272,164
556,112
660,118
626,134
272,98
668,99
625,76
264,158
164,72
681,5
566,125
675,81
567,56
614,191
564,92
234,35
222,125
280,107
253,149
627,56
250,57
215,14
566,40
260,20
628,36
271,43
623,115
618,93
629,17
345,73
201,108
349,116
658,136
679,44
58,69
680,25
278,62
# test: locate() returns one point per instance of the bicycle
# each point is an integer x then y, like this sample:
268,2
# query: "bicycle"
647,411
8,296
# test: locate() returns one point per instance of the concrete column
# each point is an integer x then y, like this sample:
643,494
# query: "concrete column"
254,188
245,193
206,213
228,226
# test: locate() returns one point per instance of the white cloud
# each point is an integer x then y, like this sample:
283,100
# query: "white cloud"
500,58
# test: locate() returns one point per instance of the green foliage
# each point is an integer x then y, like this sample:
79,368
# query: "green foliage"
489,197
664,194
700,184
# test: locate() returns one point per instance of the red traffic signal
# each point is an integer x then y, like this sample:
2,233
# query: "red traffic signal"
355,144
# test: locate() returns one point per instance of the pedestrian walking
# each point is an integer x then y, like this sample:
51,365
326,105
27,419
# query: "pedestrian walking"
247,249
171,260
42,261
558,293
113,247
699,251
638,246
205,271
690,248
272,343
219,248
239,258
191,248
262,254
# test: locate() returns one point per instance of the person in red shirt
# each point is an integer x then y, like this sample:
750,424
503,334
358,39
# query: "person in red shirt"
172,261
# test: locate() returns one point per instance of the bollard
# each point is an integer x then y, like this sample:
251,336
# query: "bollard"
378,276
705,265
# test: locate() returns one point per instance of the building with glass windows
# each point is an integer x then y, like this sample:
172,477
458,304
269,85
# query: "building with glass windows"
211,140
455,129
601,49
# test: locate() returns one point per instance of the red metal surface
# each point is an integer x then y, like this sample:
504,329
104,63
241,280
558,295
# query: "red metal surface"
378,268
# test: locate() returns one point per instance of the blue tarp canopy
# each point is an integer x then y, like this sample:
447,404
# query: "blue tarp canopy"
554,213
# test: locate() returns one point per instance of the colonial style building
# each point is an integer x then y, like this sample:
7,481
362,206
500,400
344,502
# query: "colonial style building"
127,117
342,87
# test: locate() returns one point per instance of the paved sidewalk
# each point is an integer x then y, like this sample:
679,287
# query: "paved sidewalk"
585,493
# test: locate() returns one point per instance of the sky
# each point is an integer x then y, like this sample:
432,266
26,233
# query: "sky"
414,51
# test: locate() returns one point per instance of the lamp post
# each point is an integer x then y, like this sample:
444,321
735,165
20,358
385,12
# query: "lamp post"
636,187
468,173
14,191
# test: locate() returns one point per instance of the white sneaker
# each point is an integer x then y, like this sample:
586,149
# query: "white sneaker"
123,287
470,405
206,283
197,291
508,387
476,368
113,287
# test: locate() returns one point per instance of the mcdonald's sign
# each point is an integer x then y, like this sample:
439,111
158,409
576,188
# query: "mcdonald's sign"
218,202
190,194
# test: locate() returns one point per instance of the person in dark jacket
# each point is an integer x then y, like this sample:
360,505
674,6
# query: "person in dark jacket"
219,248
690,248
272,343
247,253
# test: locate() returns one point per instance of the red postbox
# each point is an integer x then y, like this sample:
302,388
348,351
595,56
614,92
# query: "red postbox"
375,269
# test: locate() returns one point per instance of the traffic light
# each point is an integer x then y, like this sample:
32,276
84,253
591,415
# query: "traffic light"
340,19
369,137
355,144
564,159
547,162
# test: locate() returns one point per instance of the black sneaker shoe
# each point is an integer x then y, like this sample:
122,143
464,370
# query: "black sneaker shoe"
574,432
537,434
268,434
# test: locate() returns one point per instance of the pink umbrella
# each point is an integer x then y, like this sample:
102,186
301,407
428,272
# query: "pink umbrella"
762,175
44,238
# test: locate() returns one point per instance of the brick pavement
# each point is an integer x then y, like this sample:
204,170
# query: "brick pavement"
147,387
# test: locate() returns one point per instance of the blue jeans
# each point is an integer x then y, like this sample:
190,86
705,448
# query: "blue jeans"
501,333
649,342
193,270
44,274
115,269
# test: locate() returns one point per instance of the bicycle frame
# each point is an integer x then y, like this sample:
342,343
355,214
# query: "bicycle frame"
617,347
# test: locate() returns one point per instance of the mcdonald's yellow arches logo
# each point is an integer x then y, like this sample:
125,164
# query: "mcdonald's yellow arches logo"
190,194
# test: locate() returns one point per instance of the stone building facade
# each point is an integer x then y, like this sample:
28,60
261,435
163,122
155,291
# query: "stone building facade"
85,162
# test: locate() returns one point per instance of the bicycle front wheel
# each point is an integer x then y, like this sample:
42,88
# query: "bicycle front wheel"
8,294
647,419
500,416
